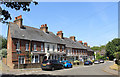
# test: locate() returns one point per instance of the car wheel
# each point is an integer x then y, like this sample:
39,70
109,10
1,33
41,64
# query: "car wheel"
62,67
53,69
71,66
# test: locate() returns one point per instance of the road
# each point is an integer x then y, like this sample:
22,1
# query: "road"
96,69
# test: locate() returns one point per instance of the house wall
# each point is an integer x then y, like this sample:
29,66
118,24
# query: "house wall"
50,47
9,49
26,54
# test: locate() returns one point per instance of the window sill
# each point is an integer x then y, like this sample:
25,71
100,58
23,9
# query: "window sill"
26,50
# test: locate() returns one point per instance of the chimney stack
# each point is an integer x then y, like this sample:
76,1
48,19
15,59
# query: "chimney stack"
72,38
60,34
44,28
80,42
18,20
85,44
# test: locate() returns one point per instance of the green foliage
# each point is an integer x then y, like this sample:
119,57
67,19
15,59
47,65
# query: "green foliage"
3,53
95,48
112,47
3,42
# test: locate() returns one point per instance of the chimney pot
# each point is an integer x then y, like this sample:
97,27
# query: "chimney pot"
85,43
80,42
60,34
44,28
18,21
72,38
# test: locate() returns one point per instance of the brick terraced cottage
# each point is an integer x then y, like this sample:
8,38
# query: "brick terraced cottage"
27,47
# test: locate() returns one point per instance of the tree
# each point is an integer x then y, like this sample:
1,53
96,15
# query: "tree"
95,48
112,47
14,5
3,42
3,53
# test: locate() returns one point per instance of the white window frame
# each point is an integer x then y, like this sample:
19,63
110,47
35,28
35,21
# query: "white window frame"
63,48
27,45
33,60
48,48
73,51
35,47
20,59
18,45
53,48
76,52
58,48
42,47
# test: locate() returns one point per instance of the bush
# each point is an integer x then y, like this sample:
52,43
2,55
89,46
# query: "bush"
3,53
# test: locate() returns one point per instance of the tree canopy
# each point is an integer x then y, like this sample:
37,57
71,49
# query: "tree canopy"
3,42
5,15
112,47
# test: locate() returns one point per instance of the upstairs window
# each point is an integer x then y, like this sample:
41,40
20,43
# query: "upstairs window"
73,51
76,52
53,48
47,47
58,48
41,46
18,45
27,46
35,47
62,48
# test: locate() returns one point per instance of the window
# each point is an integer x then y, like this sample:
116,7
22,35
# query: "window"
35,46
35,59
41,46
47,47
58,48
79,51
76,52
21,59
27,46
73,51
18,45
62,48
53,47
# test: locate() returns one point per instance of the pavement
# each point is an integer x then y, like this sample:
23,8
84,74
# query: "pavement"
95,69
107,69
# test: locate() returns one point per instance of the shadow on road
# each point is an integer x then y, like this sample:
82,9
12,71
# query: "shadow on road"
10,75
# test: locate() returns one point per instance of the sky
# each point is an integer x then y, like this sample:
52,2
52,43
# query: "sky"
93,22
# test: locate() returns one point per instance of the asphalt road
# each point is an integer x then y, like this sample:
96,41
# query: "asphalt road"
95,69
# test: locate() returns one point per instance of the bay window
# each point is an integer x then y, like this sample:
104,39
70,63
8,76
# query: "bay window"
35,59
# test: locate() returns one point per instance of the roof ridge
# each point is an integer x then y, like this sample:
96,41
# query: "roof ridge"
31,27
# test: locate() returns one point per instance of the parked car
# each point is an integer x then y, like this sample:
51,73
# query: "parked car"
66,63
88,63
51,65
101,61
96,62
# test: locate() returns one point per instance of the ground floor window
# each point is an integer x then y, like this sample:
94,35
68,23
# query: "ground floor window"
35,59
21,60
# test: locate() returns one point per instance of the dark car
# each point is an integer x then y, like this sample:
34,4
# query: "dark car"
88,63
51,65
101,61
